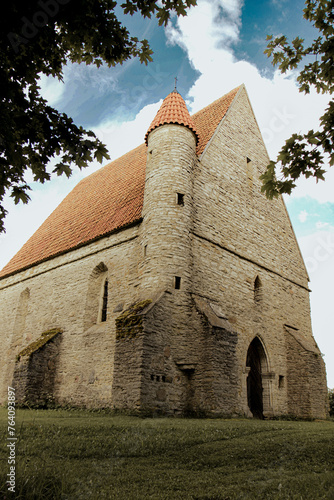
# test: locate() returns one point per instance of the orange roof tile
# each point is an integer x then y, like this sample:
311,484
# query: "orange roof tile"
173,110
112,197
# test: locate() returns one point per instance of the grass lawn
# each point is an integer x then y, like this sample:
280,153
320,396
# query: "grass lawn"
62,454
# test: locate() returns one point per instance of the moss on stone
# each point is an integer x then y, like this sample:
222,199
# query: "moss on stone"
40,342
130,323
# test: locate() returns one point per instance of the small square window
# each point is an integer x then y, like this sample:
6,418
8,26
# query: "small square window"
180,199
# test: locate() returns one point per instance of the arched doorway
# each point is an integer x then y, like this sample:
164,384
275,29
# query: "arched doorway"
257,365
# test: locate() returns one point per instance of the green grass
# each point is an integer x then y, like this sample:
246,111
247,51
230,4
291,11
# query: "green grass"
85,455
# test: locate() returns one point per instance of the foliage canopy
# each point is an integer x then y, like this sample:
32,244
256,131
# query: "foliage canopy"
39,38
305,154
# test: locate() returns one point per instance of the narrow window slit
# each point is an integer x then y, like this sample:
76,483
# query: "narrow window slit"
105,301
177,283
257,290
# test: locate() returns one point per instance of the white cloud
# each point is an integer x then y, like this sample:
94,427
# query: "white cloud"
321,225
302,216
121,137
51,89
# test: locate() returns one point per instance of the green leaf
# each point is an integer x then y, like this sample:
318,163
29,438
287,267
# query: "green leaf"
19,193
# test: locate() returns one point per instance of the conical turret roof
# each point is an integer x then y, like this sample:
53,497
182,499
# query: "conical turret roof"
173,110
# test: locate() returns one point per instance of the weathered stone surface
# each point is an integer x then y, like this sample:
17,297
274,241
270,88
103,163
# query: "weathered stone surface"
212,266
35,370
59,292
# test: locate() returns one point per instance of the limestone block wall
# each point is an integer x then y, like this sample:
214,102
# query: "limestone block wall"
239,235
215,379
166,366
225,278
128,366
229,206
35,373
170,354
168,207
306,381
57,294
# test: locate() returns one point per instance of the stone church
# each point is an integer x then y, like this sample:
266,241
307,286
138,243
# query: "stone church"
166,282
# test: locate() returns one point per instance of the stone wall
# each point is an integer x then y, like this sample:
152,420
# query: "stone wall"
171,354
165,366
166,228
61,296
239,235
36,370
228,203
306,381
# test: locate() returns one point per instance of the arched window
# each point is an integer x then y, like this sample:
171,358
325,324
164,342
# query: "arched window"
257,290
97,296
22,312
19,334
104,301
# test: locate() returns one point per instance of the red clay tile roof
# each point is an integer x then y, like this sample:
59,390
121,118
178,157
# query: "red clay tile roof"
173,110
107,200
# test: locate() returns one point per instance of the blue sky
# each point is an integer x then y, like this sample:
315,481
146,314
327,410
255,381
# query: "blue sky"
93,95
309,215
216,48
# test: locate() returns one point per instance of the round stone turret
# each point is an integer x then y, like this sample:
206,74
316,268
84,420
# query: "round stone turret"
167,209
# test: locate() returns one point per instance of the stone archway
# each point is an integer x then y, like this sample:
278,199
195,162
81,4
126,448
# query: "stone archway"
258,396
